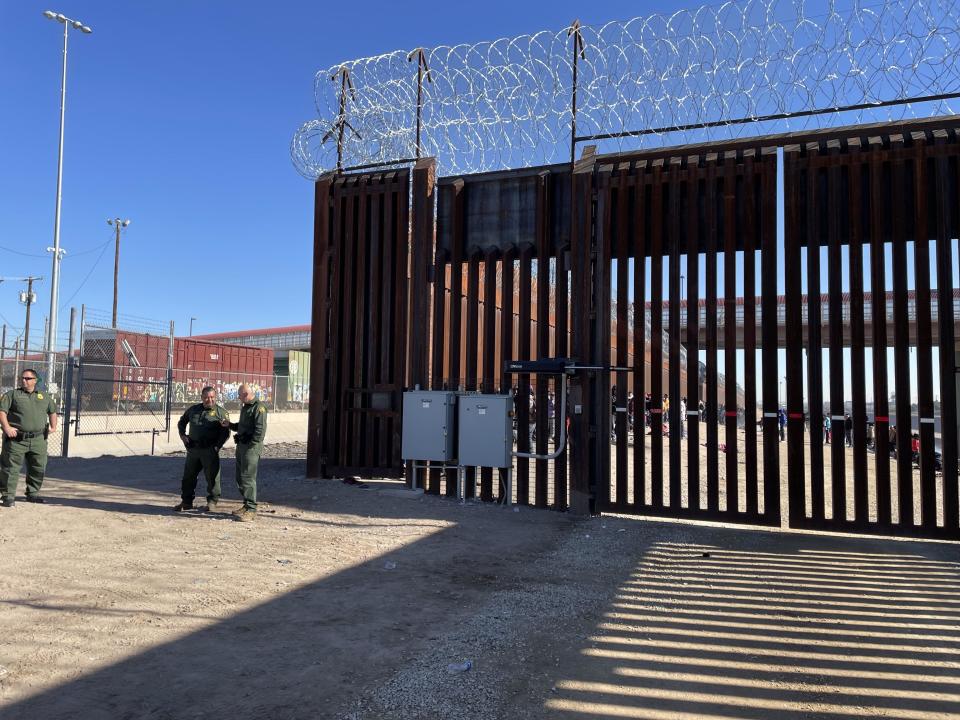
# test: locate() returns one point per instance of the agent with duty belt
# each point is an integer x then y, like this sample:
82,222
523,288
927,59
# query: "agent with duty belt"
26,416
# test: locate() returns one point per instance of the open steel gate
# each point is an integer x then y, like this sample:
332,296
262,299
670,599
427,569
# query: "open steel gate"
864,209
667,260
661,217
359,338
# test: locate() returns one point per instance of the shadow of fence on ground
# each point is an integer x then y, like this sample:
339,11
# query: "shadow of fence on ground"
832,628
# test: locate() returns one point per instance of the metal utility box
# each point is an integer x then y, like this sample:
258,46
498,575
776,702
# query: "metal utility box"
486,430
429,418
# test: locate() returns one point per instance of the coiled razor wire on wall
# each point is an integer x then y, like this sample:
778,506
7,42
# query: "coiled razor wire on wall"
718,72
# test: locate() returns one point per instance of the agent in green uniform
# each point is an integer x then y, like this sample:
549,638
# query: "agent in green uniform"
207,436
26,416
250,430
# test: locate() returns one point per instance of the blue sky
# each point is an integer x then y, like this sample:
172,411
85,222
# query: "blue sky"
179,117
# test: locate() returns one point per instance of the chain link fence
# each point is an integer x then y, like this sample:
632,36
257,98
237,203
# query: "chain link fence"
119,390
132,384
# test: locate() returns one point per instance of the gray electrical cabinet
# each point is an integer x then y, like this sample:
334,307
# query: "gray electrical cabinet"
429,418
485,425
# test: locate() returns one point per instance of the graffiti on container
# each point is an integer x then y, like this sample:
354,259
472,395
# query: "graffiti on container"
188,391
150,390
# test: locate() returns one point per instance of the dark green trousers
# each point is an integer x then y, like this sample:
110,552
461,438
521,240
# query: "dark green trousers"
208,460
14,452
248,457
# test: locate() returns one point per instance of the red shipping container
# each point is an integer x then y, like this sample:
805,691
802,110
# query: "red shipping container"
137,364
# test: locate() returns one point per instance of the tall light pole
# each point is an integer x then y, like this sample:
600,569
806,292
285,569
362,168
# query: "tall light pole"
57,252
118,224
191,326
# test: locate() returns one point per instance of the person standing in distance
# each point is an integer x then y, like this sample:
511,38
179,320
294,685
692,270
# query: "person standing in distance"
26,416
251,430
207,436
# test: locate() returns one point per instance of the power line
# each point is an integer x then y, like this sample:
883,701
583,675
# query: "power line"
9,324
91,250
103,249
17,252
73,254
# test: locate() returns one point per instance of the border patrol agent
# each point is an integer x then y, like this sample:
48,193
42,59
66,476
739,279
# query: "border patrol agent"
24,416
251,429
207,436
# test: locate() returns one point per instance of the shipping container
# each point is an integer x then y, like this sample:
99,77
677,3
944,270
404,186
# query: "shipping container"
224,367
127,367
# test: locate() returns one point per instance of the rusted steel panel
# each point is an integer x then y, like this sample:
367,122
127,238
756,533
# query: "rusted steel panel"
320,313
901,349
815,230
506,339
360,337
401,223
769,262
348,328
489,351
888,191
858,211
424,200
922,202
333,413
472,347
376,340
794,181
693,242
621,243
385,328
640,252
730,334
502,210
544,252
562,349
835,201
656,337
580,306
879,206
600,340
362,285
523,381
947,227
673,389
747,199
438,378
454,350
713,399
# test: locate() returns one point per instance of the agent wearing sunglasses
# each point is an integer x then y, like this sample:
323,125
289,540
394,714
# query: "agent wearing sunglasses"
26,416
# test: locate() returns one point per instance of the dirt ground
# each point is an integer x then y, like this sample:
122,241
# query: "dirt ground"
351,603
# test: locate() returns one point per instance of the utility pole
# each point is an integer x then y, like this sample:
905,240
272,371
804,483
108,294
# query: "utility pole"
118,224
28,298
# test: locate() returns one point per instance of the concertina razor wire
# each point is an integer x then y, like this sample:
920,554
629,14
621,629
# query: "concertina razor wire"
718,72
